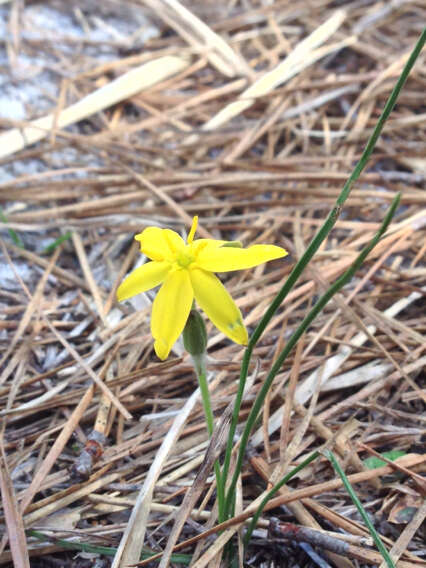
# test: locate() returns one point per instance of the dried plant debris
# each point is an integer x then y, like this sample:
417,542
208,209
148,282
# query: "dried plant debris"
116,116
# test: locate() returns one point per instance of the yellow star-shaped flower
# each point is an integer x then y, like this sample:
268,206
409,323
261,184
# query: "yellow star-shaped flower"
185,271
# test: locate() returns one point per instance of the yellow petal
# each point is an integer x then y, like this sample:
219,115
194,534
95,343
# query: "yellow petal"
215,300
143,278
200,244
224,259
160,244
170,311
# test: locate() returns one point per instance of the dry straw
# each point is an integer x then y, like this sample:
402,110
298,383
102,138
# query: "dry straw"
252,118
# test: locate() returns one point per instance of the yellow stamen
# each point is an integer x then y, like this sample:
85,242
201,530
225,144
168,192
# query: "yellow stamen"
193,229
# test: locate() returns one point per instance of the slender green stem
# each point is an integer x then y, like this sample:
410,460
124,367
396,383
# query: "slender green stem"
315,244
260,398
200,369
374,534
220,489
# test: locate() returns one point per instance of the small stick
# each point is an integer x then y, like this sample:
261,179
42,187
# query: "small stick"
92,451
81,470
292,532
288,531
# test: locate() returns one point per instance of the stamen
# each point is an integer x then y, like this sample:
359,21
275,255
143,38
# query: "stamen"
193,229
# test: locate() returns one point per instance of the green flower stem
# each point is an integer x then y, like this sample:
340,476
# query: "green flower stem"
200,369
274,490
260,398
374,534
315,244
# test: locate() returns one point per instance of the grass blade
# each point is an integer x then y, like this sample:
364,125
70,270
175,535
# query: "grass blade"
13,235
273,491
97,549
321,303
317,241
375,535
50,248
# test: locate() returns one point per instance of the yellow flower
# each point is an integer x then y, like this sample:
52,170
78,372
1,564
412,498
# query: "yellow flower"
185,271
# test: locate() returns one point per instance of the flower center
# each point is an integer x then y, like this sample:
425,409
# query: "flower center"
184,258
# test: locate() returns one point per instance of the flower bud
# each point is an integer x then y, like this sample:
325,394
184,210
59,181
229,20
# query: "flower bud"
195,334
